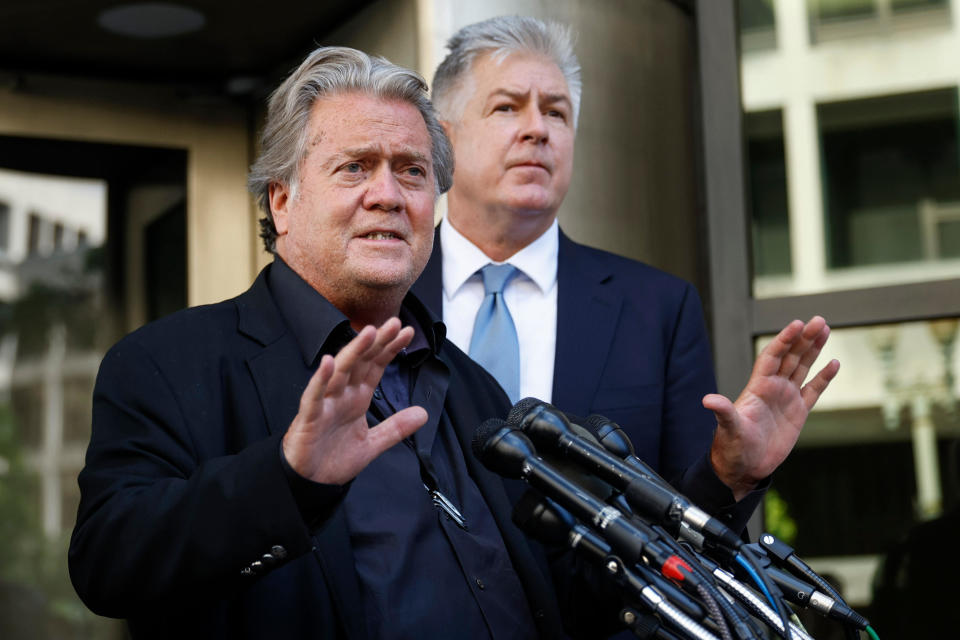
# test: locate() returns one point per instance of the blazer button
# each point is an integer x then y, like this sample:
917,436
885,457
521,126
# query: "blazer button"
268,560
278,552
256,566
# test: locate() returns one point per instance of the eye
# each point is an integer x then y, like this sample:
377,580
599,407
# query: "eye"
353,167
555,113
504,107
416,172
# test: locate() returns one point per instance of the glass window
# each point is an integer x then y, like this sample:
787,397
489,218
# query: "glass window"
4,226
767,175
826,10
57,236
757,24
838,20
34,232
891,179
909,5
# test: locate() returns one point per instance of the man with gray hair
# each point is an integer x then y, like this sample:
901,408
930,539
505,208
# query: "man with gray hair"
292,463
589,331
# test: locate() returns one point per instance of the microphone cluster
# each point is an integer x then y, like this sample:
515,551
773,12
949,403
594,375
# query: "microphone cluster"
680,572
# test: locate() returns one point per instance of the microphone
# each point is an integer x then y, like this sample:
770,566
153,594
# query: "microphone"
545,520
801,593
643,488
612,438
508,452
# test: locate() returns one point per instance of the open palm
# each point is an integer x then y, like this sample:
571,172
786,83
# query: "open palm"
756,433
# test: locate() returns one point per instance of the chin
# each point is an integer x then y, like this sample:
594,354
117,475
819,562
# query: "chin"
531,198
386,279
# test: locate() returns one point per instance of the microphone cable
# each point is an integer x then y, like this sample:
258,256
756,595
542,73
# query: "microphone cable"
787,557
730,610
751,565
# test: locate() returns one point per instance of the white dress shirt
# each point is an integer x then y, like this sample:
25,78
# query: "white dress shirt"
531,297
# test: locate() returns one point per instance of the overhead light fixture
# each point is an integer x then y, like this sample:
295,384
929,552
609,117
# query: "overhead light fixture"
151,20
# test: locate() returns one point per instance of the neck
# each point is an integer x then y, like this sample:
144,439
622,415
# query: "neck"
374,309
499,234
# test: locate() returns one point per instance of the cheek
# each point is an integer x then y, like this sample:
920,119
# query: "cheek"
421,210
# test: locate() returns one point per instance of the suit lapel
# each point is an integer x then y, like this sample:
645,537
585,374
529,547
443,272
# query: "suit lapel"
280,377
587,312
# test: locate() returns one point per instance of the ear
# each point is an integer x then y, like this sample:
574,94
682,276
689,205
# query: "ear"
448,129
279,198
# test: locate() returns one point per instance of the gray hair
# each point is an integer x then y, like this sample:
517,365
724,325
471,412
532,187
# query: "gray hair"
500,37
325,72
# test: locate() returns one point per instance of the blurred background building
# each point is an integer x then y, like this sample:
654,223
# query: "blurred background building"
850,121
789,157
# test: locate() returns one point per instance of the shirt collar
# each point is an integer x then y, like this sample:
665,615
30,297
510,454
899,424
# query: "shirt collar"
462,258
319,327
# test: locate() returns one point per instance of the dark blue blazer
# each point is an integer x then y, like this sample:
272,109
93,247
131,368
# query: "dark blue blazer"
631,346
184,488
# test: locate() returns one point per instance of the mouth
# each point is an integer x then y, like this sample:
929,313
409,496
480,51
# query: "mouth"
530,165
381,235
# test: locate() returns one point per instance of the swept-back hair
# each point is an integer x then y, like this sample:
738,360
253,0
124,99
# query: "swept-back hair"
331,71
500,37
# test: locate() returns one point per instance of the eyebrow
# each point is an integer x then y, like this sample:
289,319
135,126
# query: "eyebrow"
406,155
550,98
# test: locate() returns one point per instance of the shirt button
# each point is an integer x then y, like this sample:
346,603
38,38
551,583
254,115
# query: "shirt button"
278,552
480,584
377,394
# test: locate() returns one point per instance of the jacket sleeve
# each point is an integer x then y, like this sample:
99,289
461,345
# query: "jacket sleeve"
159,521
688,427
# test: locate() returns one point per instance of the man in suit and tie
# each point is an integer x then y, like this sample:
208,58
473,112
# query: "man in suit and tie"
590,331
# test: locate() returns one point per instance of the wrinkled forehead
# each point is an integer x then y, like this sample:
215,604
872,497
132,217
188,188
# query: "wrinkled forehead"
514,72
361,120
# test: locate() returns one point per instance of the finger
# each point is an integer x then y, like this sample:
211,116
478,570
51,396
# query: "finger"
311,399
799,346
348,357
771,356
812,390
390,350
391,339
380,356
810,356
722,408
400,425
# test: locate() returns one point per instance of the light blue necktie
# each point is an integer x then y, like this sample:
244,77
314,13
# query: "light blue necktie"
494,342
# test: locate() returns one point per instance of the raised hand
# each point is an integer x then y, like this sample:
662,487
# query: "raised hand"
329,440
756,433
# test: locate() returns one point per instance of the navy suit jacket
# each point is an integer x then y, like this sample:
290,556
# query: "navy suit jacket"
631,346
184,487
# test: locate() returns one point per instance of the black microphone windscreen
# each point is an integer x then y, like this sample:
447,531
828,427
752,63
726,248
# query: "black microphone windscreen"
483,433
610,435
521,409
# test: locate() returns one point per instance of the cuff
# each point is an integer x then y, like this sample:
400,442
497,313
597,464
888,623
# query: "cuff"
701,484
315,500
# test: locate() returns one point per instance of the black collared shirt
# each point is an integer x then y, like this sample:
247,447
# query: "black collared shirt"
422,574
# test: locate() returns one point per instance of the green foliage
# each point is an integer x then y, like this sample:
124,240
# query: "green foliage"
777,516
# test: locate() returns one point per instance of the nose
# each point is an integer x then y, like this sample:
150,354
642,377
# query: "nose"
383,191
534,125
